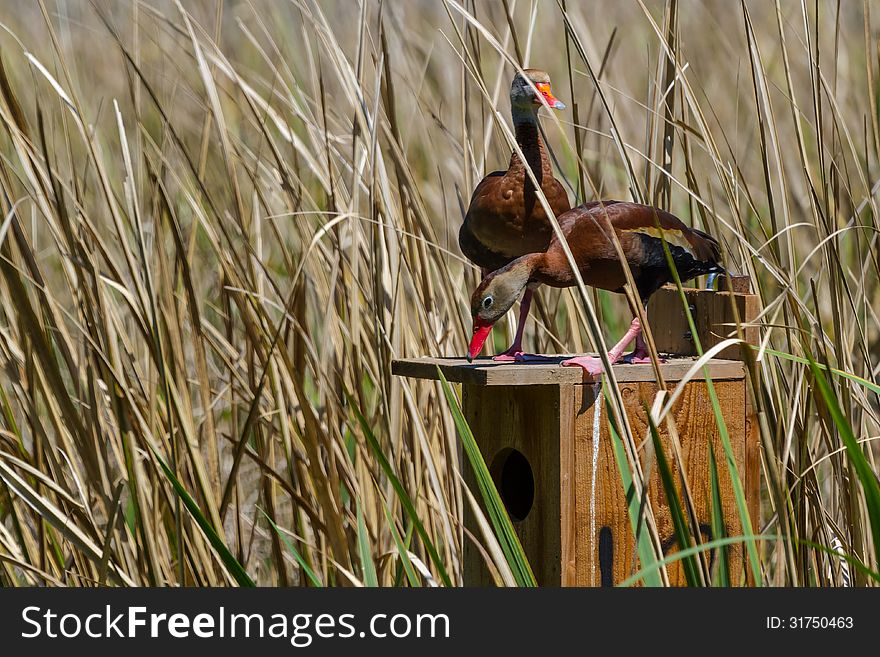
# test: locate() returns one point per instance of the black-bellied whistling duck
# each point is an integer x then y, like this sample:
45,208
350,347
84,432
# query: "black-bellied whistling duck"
505,219
588,229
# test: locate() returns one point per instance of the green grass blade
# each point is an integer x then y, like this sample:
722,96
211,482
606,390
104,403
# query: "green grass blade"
504,531
867,477
235,569
402,549
363,541
647,557
738,492
870,385
682,535
402,495
694,550
717,519
852,560
310,574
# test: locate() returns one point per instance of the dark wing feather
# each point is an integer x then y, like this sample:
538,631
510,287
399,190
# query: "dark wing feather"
708,247
694,252
641,230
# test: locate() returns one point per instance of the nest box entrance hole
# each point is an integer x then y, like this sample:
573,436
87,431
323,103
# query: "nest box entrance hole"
513,477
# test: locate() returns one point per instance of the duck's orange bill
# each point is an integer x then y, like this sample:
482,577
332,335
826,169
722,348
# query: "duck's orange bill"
481,332
552,100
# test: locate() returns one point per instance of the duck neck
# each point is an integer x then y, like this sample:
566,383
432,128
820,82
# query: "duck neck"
530,267
528,136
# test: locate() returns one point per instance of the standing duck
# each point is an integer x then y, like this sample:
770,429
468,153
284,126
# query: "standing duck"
505,219
588,229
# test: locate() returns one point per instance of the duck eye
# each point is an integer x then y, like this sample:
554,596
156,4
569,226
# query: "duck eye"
487,302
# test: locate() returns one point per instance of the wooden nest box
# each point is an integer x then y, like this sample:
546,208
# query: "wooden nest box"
548,445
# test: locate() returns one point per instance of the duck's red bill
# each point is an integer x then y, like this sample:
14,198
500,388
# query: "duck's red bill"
481,332
552,100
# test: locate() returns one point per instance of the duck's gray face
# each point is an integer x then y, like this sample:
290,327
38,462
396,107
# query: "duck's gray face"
523,95
491,300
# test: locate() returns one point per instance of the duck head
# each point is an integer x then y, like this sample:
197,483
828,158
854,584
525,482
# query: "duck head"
531,91
494,296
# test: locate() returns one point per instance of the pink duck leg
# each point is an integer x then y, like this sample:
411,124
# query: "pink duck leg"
640,353
593,365
515,351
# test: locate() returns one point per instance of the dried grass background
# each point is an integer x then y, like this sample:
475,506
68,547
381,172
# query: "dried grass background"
220,221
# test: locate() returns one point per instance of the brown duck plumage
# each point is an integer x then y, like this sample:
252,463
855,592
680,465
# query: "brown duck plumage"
589,230
505,219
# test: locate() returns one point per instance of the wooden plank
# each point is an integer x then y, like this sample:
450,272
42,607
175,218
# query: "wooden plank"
486,372
713,315
525,419
569,492
605,544
735,283
577,532
752,475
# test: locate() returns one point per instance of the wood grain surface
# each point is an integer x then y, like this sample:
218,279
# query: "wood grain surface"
715,317
486,372
529,419
606,552
578,531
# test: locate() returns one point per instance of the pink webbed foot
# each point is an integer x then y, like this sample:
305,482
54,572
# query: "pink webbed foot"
590,364
508,356
638,357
